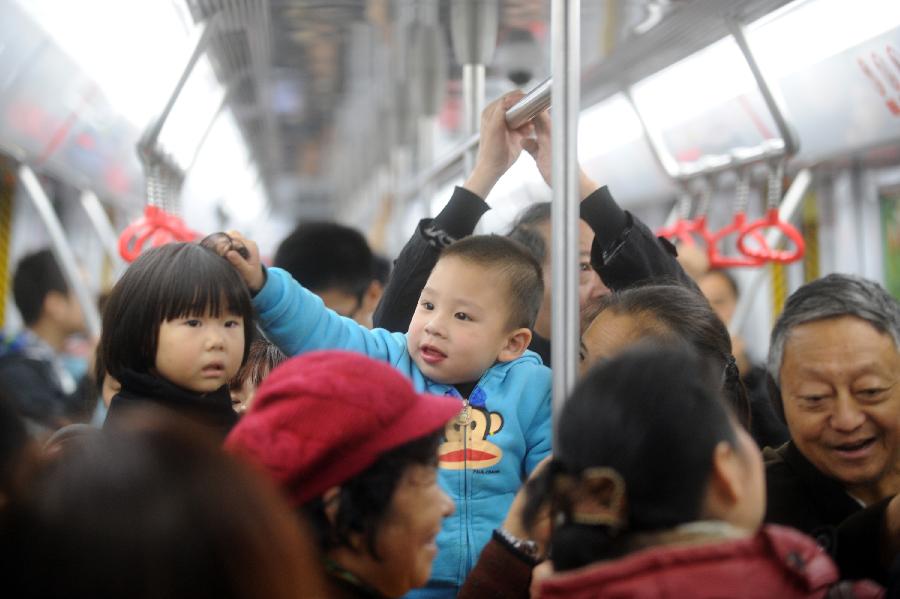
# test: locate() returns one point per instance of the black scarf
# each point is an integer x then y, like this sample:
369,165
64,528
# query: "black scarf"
211,410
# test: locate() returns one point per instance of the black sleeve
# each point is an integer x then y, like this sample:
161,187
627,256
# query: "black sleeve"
30,388
420,254
498,574
860,542
625,252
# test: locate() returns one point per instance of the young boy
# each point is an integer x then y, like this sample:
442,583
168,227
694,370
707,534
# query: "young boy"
468,337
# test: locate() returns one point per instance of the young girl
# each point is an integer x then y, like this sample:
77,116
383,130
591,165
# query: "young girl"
176,329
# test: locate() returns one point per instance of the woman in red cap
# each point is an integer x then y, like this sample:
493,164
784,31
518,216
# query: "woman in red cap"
354,447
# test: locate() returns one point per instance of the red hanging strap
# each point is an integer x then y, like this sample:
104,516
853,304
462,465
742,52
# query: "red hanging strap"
738,225
157,226
772,220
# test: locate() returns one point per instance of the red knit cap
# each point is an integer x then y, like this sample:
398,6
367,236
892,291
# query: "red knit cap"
320,419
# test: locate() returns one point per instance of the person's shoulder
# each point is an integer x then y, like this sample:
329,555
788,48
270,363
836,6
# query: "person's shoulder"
781,478
18,364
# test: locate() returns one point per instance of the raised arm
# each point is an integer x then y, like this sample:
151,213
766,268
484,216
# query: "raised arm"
625,251
295,319
499,148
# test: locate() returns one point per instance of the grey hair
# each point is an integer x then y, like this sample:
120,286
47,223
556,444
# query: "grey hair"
523,229
532,241
532,216
831,297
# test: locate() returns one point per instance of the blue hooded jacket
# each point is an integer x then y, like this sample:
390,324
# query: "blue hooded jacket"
501,435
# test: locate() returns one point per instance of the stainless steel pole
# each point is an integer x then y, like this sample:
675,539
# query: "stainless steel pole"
473,103
788,209
102,227
62,251
773,101
534,102
527,108
473,29
198,47
565,40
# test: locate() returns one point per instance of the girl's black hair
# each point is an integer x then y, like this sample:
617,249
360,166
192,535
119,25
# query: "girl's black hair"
652,414
364,500
686,316
164,283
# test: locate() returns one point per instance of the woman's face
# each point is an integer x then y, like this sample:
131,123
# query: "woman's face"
607,336
406,538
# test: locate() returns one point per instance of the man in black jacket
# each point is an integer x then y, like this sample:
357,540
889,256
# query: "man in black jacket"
835,369
32,373
619,247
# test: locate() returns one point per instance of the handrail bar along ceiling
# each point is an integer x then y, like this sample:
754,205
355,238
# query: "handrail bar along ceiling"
687,30
62,251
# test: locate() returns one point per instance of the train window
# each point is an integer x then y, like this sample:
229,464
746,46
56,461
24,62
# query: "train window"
706,104
838,26
132,62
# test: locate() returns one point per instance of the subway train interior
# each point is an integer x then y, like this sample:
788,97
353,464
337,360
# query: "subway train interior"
622,176
255,115
272,112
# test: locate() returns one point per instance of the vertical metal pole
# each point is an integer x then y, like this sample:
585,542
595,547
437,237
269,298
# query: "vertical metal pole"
62,251
565,17
104,229
473,29
793,199
473,103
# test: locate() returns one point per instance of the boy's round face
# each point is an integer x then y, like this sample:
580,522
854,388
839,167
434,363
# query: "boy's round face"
461,322
200,353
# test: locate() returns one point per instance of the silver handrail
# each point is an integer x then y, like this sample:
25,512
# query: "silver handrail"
786,212
104,229
534,102
773,102
521,112
199,40
62,251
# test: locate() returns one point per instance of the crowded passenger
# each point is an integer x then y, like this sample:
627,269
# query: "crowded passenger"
354,448
261,360
150,509
666,313
177,327
721,289
616,249
469,339
334,262
655,490
834,360
32,371
14,444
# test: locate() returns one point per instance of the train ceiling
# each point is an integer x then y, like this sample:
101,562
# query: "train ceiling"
322,90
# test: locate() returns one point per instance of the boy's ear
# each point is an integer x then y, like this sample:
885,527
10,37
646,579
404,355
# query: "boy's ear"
516,343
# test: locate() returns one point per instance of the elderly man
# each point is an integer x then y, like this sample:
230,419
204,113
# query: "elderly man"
835,370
